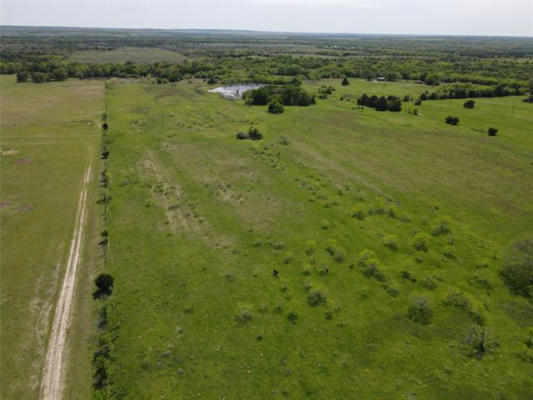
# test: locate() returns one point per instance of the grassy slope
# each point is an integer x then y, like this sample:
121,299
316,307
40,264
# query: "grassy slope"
54,127
199,220
123,54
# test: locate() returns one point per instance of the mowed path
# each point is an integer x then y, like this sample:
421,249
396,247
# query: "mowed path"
52,378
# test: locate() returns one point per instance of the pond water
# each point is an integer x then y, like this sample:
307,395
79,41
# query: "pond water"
234,91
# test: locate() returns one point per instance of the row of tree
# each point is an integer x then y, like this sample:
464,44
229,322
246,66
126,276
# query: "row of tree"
382,103
288,95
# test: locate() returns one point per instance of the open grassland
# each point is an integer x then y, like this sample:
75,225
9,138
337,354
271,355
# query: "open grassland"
333,198
49,135
140,55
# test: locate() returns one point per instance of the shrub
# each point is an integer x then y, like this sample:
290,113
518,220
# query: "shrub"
390,241
241,136
345,82
292,317
442,227
429,283
283,140
407,275
419,311
339,255
310,247
104,283
477,342
448,252
421,241
288,257
275,107
469,104
244,313
316,297
451,120
359,213
458,300
517,271
371,270
492,131
325,224
364,256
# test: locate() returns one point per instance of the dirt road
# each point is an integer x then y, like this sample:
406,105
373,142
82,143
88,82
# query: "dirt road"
53,370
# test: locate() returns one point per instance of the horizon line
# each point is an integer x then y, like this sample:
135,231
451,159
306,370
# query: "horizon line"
271,32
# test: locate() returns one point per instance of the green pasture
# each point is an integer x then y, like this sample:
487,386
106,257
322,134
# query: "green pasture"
333,198
49,133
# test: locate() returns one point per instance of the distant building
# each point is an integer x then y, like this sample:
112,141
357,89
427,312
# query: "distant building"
419,82
381,78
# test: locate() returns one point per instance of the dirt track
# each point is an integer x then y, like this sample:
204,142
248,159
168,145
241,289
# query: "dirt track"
52,378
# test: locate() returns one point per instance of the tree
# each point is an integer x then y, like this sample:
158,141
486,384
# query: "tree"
60,74
345,82
394,103
254,134
275,107
39,77
452,120
469,104
492,131
23,76
381,104
104,283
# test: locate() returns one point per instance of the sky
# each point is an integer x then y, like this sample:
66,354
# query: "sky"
449,17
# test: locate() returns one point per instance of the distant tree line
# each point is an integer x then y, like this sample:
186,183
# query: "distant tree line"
461,91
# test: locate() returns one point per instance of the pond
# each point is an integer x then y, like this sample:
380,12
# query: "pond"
234,91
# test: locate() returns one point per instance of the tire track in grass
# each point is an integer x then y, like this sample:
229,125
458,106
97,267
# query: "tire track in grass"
53,369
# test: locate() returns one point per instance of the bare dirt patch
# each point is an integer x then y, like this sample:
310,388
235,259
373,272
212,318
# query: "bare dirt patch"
8,152
22,161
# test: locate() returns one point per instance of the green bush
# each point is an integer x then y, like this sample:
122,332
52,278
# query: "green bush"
492,131
420,311
275,107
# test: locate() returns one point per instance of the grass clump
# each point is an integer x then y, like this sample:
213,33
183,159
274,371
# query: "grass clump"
316,297
310,247
359,213
243,313
391,242
442,227
421,242
517,272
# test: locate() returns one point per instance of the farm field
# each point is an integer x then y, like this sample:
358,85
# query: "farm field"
50,133
337,200
141,55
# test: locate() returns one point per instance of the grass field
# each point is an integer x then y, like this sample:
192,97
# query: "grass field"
332,198
134,54
49,134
